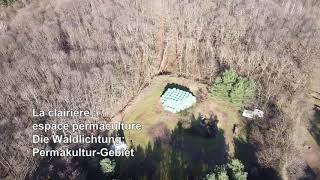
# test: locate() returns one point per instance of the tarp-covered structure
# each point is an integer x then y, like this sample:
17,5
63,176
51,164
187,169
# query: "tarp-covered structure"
176,100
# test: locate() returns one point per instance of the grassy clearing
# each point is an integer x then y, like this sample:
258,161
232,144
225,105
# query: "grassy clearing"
230,116
228,108
148,114
148,111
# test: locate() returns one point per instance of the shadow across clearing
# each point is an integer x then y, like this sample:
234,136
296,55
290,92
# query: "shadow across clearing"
188,154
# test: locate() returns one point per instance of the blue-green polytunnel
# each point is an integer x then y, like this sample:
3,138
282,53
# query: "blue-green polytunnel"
176,100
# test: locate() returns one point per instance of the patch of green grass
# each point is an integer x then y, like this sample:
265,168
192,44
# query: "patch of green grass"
228,108
233,113
233,117
147,114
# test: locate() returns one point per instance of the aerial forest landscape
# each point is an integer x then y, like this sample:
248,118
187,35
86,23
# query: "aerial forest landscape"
197,89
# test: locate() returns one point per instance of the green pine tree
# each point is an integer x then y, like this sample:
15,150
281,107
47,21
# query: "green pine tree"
219,173
230,77
233,88
243,91
107,166
211,176
222,86
236,170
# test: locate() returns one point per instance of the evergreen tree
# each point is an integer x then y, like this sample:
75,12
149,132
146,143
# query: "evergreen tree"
242,92
211,176
107,166
219,173
233,88
219,89
230,77
222,86
236,170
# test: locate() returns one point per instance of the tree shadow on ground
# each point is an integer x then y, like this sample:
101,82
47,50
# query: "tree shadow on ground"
61,168
315,126
189,154
177,86
246,153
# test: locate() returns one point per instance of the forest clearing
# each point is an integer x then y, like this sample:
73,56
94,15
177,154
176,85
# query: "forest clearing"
147,110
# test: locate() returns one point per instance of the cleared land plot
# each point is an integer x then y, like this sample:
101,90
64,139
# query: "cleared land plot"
148,111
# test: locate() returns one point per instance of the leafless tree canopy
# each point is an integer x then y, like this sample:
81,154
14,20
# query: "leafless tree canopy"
96,55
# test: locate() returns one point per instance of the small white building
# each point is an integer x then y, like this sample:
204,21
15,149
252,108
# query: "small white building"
248,114
251,114
258,113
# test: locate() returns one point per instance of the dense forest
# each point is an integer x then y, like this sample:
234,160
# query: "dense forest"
97,55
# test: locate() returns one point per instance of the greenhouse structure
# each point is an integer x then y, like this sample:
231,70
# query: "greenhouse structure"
175,100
